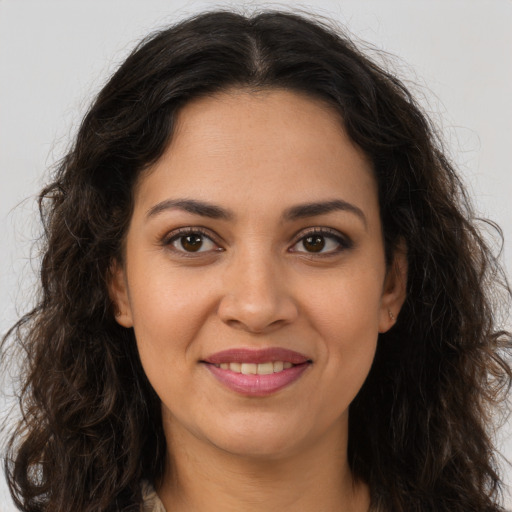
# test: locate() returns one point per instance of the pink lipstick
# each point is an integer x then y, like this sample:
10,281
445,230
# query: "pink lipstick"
257,373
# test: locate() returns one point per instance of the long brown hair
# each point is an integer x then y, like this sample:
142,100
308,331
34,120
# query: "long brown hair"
419,431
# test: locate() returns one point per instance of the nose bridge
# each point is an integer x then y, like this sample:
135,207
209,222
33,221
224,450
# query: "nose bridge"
256,295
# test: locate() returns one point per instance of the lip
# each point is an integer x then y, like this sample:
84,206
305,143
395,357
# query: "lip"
257,385
265,355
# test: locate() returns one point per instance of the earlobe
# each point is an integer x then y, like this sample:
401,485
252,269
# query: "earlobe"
118,292
395,289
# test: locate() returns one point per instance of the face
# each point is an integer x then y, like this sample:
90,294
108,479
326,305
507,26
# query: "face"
254,274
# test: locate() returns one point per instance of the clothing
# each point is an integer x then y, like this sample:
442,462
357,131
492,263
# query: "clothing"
152,502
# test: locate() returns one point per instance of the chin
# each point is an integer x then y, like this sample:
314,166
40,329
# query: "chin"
259,440
258,450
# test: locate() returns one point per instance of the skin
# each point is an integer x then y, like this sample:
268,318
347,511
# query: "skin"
256,284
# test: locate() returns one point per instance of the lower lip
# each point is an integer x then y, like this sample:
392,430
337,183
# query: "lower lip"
257,385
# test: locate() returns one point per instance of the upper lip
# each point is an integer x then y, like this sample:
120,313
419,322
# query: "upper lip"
265,355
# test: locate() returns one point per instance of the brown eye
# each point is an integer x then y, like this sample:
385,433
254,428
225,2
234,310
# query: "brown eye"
314,243
192,243
324,242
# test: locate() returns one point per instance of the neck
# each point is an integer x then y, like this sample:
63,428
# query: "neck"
202,477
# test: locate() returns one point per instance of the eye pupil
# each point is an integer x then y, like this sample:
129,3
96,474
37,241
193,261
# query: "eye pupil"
314,243
192,243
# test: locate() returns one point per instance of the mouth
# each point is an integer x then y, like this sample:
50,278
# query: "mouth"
257,356
256,369
257,373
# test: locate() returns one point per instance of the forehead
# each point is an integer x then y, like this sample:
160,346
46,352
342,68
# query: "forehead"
278,145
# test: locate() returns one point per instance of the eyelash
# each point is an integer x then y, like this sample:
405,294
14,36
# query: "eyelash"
342,241
181,233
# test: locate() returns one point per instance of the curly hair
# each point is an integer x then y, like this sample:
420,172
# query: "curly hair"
419,429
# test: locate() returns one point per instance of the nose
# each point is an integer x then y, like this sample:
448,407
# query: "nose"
257,296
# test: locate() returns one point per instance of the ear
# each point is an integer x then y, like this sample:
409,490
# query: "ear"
118,291
395,289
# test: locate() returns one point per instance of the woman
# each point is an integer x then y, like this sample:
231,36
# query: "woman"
262,289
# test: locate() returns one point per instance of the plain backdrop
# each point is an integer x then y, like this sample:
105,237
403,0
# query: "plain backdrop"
456,55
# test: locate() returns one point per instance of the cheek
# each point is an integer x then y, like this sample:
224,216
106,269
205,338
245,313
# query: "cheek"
166,323
168,310
346,316
346,305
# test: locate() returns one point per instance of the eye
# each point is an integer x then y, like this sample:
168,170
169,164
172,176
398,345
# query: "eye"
191,241
321,242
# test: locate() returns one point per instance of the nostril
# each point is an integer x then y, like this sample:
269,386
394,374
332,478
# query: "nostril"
257,312
254,328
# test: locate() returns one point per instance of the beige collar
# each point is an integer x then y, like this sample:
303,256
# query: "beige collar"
152,502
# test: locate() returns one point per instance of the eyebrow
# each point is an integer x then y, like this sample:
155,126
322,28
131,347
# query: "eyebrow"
321,208
297,212
191,206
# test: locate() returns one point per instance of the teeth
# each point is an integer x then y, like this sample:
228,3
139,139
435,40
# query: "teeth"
235,367
278,366
256,369
265,368
249,368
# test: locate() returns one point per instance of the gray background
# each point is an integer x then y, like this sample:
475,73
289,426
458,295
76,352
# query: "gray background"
54,55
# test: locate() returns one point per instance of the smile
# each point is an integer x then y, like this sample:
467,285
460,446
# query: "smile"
256,369
257,373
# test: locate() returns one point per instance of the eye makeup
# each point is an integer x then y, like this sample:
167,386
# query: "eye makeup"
321,241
